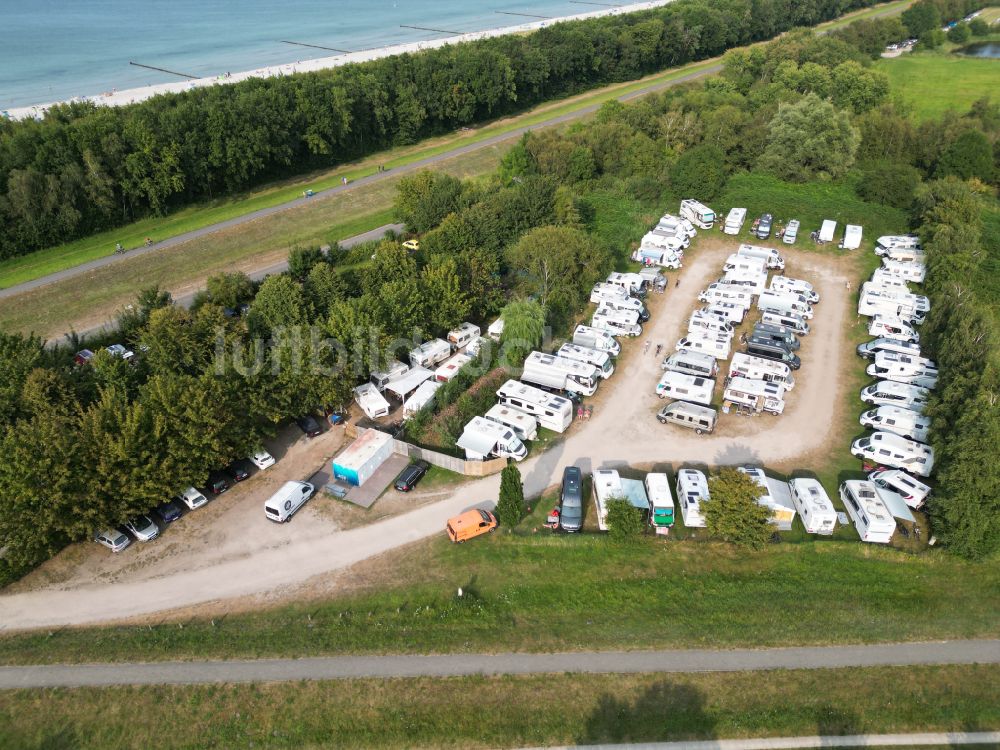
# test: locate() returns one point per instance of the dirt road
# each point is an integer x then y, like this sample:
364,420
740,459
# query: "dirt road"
260,558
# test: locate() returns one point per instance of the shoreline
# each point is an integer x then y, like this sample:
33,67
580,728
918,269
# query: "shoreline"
115,98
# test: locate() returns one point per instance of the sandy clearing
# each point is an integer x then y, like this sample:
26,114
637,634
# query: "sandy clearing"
622,432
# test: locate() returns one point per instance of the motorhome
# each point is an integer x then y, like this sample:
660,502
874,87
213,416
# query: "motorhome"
891,393
495,330
692,491
627,304
716,346
768,348
869,349
601,360
735,220
769,254
911,271
794,322
524,425
464,335
784,303
560,373
604,291
677,226
372,403
871,518
791,232
734,312
895,452
892,328
450,367
902,241
904,422
754,282
884,279
685,387
795,286
393,370
813,505
697,213
484,438
919,302
552,412
904,368
906,255
756,395
780,334
691,363
777,497
702,321
745,264
616,322
759,368
852,237
879,302
672,240
913,491
608,485
650,255
661,500
701,419
632,283
716,292
430,353
596,339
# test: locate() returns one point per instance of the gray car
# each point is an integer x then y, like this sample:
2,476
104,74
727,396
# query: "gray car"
143,528
571,500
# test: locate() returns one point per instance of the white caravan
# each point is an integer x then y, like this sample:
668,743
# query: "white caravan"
896,452
827,229
661,500
904,422
666,239
769,254
795,286
430,353
716,292
627,304
393,370
871,518
608,485
524,425
813,505
879,302
601,360
892,328
745,264
911,271
891,393
423,396
630,282
483,438
552,412
869,349
905,255
753,282
884,279
735,220
791,232
718,346
616,322
692,491
464,335
784,303
596,339
734,312
702,321
676,225
691,363
852,237
902,241
756,395
697,213
563,374
757,368
650,255
685,388
604,291
495,330
913,491
450,367
372,403
791,321
777,497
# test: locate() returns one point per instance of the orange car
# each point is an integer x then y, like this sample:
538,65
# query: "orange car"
470,524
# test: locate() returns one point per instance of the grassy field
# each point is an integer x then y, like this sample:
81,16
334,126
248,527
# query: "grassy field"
484,712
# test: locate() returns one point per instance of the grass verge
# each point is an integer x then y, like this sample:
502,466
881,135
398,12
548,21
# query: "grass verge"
511,711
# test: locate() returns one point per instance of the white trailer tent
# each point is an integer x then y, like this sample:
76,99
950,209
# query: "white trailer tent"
371,401
777,497
813,505
692,490
852,237
403,386
827,230
608,485
450,367
420,398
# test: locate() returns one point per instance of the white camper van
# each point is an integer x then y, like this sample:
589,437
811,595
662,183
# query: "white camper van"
734,312
464,335
784,303
896,452
769,254
795,286
691,363
703,321
892,328
524,425
616,322
716,346
869,349
716,292
891,393
735,220
902,241
913,491
603,291
813,505
563,374
697,213
745,264
904,422
793,322
756,395
552,412
601,360
911,271
692,491
906,255
661,500
430,354
755,283
871,518
483,438
685,387
596,339
283,504
757,368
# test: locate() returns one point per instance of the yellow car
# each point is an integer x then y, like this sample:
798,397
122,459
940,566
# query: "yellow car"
413,245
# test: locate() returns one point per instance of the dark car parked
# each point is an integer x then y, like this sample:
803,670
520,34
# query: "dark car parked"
764,226
409,476
239,470
309,425
169,511
571,500
217,483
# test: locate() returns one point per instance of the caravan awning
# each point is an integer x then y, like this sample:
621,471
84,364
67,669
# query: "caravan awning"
476,443
409,381
897,506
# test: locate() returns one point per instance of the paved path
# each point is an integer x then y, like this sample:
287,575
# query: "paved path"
792,743
452,665
329,192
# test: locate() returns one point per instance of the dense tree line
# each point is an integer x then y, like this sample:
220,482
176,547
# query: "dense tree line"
85,168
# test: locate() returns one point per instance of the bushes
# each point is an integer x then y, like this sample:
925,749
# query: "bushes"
625,522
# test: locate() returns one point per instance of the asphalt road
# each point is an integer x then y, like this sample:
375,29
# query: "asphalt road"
916,739
451,665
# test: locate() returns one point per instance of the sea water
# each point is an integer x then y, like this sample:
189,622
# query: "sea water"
53,50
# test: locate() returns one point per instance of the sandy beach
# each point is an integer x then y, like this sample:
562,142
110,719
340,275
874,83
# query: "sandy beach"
116,98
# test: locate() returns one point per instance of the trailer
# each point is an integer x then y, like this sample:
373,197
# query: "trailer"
450,367
561,373
362,458
735,220
871,518
495,329
827,230
552,412
372,403
661,501
852,237
464,335
484,438
814,506
608,485
756,395
430,353
599,359
692,491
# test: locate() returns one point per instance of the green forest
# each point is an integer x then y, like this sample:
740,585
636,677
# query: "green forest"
85,168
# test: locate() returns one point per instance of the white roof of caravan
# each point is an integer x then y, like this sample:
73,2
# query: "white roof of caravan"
480,435
463,329
369,398
409,381
852,236
827,230
510,414
496,326
813,495
693,484
453,364
423,395
430,346
658,489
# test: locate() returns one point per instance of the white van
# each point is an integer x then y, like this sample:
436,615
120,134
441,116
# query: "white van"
735,220
281,506
915,271
769,254
913,492
813,505
718,347
794,322
784,303
596,339
734,312
891,393
892,328
616,322
869,349
700,321
691,363
716,292
902,241
692,491
906,254
795,286
685,387
896,452
904,422
701,419
604,291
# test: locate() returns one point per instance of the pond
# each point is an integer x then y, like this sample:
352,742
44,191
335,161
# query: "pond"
980,49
